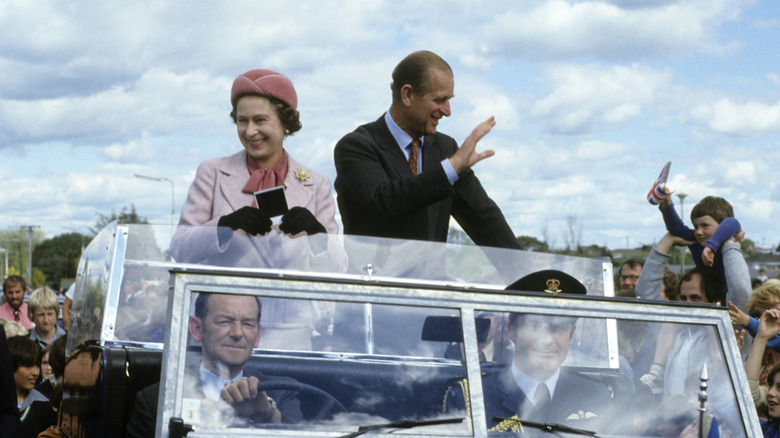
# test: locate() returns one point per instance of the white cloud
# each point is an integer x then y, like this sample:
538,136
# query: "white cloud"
558,28
132,151
591,98
159,101
587,96
742,119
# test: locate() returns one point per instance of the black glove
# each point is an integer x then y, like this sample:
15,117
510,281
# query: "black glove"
299,219
249,219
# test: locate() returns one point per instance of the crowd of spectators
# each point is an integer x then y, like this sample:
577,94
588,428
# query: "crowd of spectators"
32,360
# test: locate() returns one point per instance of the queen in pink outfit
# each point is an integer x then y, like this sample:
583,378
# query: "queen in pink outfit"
221,225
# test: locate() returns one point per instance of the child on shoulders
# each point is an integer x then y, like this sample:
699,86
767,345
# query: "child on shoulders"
714,223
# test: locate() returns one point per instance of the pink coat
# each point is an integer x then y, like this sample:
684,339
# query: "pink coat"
216,191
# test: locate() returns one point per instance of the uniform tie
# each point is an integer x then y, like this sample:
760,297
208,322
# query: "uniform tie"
541,401
413,157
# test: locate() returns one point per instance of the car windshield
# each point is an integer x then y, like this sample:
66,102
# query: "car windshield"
395,335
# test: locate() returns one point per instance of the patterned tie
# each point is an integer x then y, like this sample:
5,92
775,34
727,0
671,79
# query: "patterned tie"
415,146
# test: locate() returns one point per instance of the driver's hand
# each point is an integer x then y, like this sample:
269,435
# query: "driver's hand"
248,402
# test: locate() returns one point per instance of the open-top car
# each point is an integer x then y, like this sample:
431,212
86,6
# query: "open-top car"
377,336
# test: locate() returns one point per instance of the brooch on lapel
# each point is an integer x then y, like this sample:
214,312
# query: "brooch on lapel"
301,174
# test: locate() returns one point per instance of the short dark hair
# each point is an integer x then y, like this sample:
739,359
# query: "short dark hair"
57,355
632,263
14,279
415,70
202,305
291,119
713,206
24,352
712,284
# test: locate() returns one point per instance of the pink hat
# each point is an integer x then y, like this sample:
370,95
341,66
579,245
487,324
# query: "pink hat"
265,83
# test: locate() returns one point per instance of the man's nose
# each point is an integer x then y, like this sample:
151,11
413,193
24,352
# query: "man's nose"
445,109
235,330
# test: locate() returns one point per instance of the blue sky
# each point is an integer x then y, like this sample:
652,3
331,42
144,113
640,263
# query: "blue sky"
591,98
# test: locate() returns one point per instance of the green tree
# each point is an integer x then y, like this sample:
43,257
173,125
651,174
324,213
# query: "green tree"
124,217
593,251
748,247
58,257
530,243
16,242
39,278
459,237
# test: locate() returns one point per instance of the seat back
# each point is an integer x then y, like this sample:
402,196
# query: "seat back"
127,371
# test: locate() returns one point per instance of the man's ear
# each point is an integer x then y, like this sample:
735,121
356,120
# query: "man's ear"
510,332
406,94
257,340
196,328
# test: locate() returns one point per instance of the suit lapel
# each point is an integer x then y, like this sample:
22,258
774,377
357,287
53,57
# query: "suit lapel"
514,399
429,155
424,228
563,406
233,175
390,148
298,189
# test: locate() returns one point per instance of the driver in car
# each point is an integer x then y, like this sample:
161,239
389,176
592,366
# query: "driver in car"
228,328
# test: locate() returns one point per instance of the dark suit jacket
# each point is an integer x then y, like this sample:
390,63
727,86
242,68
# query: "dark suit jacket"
379,196
577,401
144,416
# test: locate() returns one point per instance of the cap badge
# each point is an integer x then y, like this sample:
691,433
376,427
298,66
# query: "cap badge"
552,286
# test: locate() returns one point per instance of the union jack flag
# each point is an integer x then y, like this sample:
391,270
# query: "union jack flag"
657,195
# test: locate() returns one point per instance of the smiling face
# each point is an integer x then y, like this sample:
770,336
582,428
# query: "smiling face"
541,343
260,130
25,378
703,228
421,112
773,398
229,331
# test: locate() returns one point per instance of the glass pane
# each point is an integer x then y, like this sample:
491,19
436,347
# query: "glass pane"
359,255
553,377
394,363
142,304
89,300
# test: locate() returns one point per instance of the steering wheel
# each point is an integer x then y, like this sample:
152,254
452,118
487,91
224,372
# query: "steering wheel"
329,401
